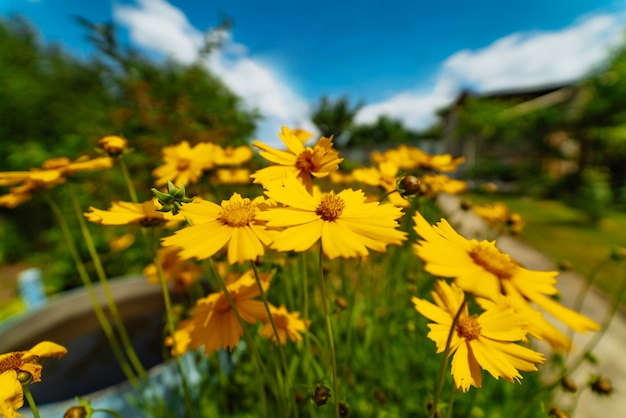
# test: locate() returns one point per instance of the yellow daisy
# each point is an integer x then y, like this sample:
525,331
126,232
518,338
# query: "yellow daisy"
483,270
234,223
232,155
346,224
214,324
184,164
441,183
232,176
11,392
478,342
182,273
493,213
385,177
304,162
538,326
124,213
288,324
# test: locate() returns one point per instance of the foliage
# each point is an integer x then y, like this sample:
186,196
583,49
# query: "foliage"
335,118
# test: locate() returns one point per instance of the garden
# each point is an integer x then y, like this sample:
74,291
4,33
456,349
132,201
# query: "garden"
194,271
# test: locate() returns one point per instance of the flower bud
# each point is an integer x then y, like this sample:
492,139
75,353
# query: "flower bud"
344,410
76,412
466,204
559,413
113,145
568,384
410,185
601,385
321,395
341,302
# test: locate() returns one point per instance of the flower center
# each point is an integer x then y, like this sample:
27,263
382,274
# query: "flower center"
238,214
183,164
493,260
305,161
11,361
468,328
330,208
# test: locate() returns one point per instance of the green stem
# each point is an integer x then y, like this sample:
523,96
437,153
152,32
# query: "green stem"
171,328
128,180
276,335
306,359
84,276
260,366
31,401
444,361
584,289
329,332
125,340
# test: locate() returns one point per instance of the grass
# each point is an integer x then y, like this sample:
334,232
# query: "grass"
564,233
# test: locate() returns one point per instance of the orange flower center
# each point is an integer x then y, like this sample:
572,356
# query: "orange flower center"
468,328
238,214
493,260
330,208
183,164
11,361
305,161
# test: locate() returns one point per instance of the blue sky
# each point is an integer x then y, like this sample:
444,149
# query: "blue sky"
403,58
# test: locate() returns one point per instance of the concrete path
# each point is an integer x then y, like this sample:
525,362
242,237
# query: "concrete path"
610,351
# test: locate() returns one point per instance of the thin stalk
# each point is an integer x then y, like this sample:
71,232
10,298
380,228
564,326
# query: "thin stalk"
31,401
260,366
305,312
584,289
329,332
276,335
117,319
128,180
444,361
102,319
171,328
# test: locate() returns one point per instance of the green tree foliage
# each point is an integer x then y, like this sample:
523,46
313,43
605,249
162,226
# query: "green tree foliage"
53,104
335,118
384,131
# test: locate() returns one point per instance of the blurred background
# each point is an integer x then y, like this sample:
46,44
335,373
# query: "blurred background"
532,95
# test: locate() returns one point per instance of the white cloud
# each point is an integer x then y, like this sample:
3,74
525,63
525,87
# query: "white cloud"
515,61
160,27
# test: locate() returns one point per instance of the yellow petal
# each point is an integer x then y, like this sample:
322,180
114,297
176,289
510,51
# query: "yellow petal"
11,395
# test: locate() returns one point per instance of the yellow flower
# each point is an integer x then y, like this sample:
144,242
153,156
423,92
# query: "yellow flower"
113,144
401,156
538,326
182,274
385,177
303,135
232,155
440,183
124,213
213,324
184,164
346,224
288,324
122,242
84,163
483,270
493,213
299,160
233,224
478,341
54,173
11,392
441,162
236,176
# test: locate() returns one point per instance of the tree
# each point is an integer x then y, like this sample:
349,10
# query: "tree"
335,118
